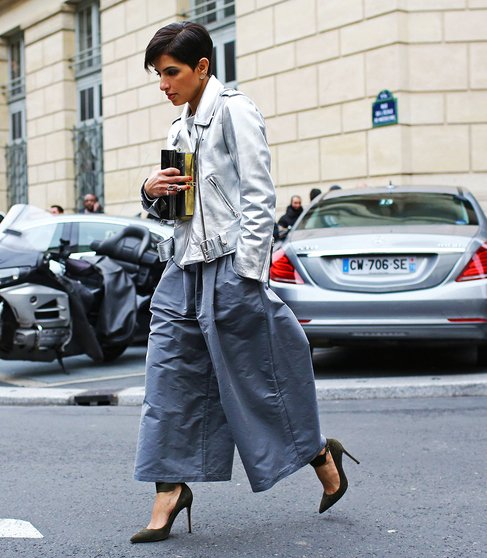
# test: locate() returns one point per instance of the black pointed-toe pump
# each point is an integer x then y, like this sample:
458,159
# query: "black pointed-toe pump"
185,500
337,450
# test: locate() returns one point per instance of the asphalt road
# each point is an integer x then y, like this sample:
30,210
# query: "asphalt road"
420,490
358,362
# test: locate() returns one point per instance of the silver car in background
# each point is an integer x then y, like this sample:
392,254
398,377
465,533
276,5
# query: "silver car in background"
44,232
390,265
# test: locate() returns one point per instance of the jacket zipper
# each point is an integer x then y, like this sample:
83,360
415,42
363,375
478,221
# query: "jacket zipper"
214,183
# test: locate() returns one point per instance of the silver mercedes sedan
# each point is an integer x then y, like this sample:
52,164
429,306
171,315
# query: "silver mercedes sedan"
391,264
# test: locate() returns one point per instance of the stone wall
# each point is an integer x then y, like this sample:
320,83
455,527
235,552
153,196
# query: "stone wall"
135,114
316,67
3,126
50,109
313,67
49,97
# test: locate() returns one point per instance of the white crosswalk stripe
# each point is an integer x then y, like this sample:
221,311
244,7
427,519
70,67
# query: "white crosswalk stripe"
19,529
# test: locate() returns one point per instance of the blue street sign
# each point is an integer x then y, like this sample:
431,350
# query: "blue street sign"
384,109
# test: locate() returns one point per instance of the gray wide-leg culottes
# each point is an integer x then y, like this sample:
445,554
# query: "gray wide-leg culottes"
227,365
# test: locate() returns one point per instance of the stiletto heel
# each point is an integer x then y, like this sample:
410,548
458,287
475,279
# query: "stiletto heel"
189,518
351,456
337,450
185,500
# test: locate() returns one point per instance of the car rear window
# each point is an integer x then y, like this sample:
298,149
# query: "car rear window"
411,208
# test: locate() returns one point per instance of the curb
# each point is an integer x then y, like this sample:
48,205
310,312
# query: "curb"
401,388
472,385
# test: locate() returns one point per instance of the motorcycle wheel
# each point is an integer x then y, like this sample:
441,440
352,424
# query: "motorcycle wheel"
112,352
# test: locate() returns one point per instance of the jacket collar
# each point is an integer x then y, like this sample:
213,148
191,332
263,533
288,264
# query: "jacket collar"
207,104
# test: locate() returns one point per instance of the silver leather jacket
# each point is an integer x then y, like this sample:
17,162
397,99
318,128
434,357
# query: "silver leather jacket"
236,213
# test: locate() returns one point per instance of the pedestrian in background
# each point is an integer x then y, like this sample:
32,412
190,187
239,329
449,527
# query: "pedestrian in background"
314,193
334,187
56,210
227,363
293,211
91,204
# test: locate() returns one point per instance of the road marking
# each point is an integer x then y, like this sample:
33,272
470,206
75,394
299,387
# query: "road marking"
97,379
21,382
34,384
18,529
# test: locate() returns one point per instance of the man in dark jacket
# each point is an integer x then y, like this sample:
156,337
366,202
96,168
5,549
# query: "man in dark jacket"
91,204
293,211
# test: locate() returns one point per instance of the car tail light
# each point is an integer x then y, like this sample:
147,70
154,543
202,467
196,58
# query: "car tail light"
476,267
282,270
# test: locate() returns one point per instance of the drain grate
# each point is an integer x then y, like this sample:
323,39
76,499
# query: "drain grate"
95,398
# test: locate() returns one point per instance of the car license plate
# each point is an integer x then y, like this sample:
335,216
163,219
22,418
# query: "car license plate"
369,265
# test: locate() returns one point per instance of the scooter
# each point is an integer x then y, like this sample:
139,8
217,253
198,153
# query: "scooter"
53,306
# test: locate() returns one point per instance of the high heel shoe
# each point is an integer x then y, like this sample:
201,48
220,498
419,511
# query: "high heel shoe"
185,500
337,450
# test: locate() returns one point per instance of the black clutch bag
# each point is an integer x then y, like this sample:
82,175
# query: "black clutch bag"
181,205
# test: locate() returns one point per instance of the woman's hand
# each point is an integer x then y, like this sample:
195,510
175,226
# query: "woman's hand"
166,182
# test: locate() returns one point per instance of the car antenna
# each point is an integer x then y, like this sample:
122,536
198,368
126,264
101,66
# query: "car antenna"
390,186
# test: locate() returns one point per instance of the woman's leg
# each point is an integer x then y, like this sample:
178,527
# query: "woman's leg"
326,471
263,364
167,495
183,434
181,415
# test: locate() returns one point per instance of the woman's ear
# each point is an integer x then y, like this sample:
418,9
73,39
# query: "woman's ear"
203,66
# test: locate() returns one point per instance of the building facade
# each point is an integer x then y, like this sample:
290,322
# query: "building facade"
78,112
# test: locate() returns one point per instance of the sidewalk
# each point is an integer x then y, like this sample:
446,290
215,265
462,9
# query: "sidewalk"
459,385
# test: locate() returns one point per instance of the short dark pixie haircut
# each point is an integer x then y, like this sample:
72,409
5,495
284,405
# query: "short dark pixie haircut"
186,41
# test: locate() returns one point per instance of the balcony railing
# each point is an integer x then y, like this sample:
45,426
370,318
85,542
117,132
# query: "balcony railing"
88,158
16,155
211,11
87,61
15,89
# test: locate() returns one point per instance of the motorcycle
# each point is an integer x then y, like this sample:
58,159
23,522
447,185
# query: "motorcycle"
53,306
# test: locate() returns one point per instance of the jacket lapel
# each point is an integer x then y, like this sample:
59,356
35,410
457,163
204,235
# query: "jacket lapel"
207,106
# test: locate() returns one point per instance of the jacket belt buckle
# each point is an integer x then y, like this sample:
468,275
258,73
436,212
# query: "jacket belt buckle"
215,247
208,249
165,249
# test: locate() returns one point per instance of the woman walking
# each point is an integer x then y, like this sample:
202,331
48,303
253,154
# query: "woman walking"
227,363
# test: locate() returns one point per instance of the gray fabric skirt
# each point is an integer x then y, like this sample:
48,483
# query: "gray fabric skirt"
227,365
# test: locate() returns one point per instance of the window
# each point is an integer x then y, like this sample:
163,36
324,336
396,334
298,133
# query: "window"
16,74
88,41
218,16
88,133
87,62
44,237
89,99
88,232
414,208
16,124
16,148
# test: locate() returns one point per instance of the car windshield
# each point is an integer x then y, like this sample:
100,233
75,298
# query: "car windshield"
410,208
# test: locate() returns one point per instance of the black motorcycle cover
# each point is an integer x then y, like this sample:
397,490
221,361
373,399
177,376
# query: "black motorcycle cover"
118,313
83,332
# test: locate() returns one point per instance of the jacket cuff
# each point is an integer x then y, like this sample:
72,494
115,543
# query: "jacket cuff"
144,196
154,206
